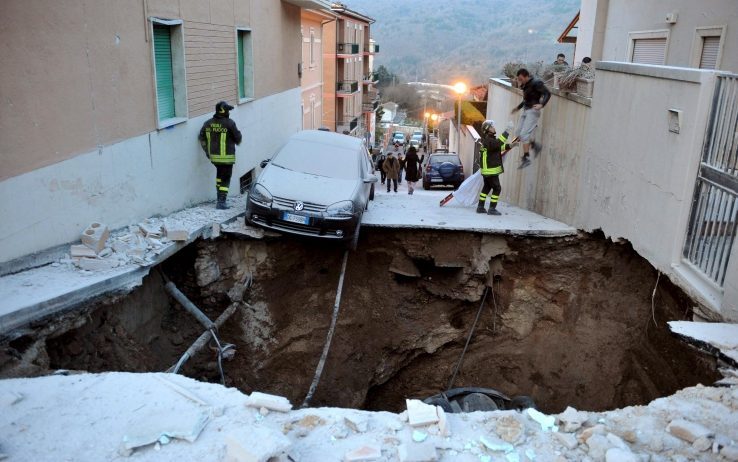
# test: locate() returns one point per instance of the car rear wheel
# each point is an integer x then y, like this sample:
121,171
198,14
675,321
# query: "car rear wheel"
371,196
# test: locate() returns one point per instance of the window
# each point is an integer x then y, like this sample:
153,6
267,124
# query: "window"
648,47
169,71
708,47
245,65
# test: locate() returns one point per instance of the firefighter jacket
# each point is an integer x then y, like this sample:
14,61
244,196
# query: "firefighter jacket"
491,153
218,138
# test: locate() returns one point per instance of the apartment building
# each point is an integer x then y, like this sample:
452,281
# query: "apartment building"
111,96
351,72
311,79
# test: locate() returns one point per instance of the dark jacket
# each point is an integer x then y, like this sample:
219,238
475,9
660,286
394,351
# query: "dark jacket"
402,162
534,92
380,161
391,167
412,166
491,152
218,138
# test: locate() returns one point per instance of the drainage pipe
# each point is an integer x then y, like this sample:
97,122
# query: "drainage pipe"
329,338
188,305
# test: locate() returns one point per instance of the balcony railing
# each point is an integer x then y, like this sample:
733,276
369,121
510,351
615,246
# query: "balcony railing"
371,48
347,125
371,78
369,106
347,48
347,87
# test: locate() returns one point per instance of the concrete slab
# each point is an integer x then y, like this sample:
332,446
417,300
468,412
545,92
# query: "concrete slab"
721,336
421,211
36,293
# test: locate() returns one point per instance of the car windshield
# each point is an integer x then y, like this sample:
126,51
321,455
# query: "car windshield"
318,159
439,159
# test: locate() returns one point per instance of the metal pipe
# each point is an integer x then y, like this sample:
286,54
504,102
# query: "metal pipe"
188,305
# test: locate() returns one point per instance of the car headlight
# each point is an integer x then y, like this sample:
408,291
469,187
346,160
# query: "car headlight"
340,209
260,195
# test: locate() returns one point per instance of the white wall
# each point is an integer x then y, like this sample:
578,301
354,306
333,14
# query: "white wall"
156,173
615,166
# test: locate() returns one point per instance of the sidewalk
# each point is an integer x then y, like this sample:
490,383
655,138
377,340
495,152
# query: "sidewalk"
421,211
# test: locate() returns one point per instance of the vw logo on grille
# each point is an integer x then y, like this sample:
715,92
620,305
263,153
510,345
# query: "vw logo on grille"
299,206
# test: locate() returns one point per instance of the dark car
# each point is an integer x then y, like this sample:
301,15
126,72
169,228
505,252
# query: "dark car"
443,169
317,185
473,399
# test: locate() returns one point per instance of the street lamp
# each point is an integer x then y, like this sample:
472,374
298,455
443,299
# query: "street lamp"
426,116
460,88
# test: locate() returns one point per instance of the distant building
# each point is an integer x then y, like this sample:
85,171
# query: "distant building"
680,33
312,24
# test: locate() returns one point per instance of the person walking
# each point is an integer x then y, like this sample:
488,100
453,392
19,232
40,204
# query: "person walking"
379,164
493,149
401,160
412,169
218,137
535,97
391,168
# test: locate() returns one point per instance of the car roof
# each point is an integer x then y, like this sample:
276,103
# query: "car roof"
328,138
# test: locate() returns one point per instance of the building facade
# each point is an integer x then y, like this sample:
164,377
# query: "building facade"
680,33
311,79
116,93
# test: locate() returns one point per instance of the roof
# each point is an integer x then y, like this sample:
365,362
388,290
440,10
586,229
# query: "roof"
344,10
565,37
328,138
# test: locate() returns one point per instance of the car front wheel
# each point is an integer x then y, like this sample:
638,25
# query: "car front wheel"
355,238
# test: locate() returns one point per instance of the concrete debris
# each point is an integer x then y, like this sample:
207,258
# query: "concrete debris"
688,431
175,231
620,455
420,414
255,444
568,440
271,402
509,428
404,266
78,250
419,436
702,444
358,424
730,453
444,427
546,422
147,429
95,236
263,411
363,453
215,230
495,444
10,398
616,441
417,452
150,229
571,420
310,422
96,264
597,446
588,432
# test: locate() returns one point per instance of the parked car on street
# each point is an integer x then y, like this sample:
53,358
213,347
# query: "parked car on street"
317,185
398,137
443,168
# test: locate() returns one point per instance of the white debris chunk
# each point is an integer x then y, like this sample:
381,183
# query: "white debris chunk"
495,444
571,420
688,431
568,440
443,424
358,424
79,250
420,414
149,229
176,232
546,422
730,453
620,455
419,436
271,402
417,452
150,428
364,453
255,444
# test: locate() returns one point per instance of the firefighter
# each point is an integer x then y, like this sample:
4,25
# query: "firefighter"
218,138
491,153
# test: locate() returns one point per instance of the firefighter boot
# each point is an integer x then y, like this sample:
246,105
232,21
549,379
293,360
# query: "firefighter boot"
221,204
480,208
493,210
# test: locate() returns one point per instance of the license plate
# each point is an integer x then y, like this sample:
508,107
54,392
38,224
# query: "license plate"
436,180
292,218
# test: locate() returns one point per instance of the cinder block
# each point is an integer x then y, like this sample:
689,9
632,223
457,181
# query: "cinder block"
96,264
271,402
364,453
77,251
420,414
417,452
443,424
216,230
176,232
255,444
95,236
149,230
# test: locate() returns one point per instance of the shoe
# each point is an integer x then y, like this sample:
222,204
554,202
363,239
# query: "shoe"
481,209
524,163
493,211
221,205
395,190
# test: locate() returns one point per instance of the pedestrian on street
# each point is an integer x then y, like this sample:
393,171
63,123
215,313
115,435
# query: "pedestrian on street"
535,97
380,162
391,168
412,169
401,160
218,138
493,149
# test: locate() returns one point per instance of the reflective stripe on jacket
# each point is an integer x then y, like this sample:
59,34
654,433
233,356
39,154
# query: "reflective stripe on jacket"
219,137
491,154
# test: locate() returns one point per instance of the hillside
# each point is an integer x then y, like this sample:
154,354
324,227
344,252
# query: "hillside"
442,40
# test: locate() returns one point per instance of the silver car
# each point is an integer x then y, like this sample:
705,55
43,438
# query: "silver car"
318,185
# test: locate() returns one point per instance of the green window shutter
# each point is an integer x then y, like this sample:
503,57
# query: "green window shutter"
241,82
164,77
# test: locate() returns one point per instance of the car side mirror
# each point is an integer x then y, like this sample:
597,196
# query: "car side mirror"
370,179
264,163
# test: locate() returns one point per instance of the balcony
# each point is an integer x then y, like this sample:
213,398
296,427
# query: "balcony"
347,124
371,48
371,79
369,106
347,49
347,88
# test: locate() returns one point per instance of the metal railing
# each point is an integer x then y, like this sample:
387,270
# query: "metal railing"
714,218
348,124
347,86
372,48
369,106
371,78
347,48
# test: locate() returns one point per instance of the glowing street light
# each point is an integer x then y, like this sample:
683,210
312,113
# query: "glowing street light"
460,88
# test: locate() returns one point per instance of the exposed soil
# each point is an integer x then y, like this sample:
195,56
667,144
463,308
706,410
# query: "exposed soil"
568,322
